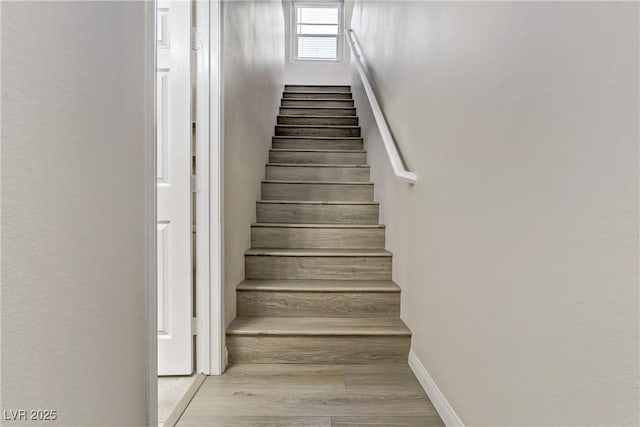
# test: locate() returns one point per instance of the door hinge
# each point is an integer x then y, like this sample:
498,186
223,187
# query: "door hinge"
195,326
195,183
196,39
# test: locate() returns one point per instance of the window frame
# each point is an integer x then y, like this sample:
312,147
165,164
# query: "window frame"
294,30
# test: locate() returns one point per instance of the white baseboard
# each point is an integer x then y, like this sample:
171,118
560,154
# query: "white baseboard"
440,402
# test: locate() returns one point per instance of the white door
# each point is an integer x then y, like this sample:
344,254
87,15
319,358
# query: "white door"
174,188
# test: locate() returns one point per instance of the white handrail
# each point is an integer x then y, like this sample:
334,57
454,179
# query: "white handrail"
389,143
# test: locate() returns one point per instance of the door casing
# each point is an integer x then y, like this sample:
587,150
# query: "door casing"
210,345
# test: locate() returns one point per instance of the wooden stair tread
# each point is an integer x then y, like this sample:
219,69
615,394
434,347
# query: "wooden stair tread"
321,126
288,86
340,100
291,225
279,181
317,202
324,108
319,286
303,116
314,150
323,326
322,92
314,100
317,165
319,107
381,253
321,99
318,137
313,85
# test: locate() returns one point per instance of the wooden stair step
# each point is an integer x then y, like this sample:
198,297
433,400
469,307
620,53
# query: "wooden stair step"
377,286
309,304
318,212
325,326
317,236
313,225
317,88
316,130
313,298
324,264
317,190
321,226
318,111
338,349
318,340
332,253
317,143
317,120
306,94
317,156
317,172
341,103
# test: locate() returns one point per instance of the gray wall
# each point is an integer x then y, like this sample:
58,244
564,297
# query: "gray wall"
517,250
73,173
253,78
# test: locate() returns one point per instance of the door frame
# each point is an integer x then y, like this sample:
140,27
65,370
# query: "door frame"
209,305
209,301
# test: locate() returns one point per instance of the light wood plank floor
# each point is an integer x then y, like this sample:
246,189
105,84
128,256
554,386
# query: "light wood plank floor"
290,395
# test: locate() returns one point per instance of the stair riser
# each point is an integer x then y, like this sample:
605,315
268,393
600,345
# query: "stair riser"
317,131
316,103
338,238
316,95
327,121
293,111
318,349
318,267
318,192
304,88
321,304
317,214
318,158
313,173
316,144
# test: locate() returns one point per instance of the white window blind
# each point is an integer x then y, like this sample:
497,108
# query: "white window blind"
317,32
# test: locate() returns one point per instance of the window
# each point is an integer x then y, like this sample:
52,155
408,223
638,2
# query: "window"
317,30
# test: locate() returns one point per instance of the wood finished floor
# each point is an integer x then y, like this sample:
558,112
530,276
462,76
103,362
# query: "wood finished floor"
290,395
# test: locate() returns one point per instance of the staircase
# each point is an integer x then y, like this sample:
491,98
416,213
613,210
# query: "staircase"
318,285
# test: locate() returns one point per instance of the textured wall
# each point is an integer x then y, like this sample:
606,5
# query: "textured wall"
73,164
517,250
253,83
